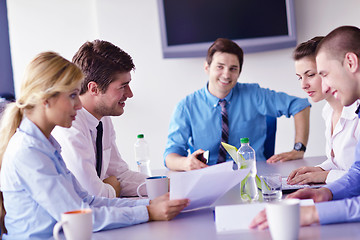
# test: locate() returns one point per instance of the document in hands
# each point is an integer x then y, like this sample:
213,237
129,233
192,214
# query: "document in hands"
204,186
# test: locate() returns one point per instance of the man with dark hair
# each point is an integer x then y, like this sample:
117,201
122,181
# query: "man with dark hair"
338,63
103,93
225,110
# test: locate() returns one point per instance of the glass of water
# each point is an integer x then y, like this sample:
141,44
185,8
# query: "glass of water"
271,187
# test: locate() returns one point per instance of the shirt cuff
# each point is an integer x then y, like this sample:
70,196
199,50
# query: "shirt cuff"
331,212
111,193
334,175
141,213
337,189
142,202
326,165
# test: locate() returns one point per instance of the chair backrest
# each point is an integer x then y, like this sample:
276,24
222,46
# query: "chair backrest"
269,145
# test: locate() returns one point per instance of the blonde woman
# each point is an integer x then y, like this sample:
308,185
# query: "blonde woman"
37,187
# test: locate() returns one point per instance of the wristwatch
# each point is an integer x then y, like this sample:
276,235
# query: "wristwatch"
299,147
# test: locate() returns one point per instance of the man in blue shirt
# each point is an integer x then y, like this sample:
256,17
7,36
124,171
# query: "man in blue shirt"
338,63
197,121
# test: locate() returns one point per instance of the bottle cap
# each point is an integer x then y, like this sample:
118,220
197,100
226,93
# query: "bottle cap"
244,140
140,136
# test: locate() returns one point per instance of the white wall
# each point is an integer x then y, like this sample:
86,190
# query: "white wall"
158,84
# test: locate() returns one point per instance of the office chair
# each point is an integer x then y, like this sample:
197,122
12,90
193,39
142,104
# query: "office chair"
269,145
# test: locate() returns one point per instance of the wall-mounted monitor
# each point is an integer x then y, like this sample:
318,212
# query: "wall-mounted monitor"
188,27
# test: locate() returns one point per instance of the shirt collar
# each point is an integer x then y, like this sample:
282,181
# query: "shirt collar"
348,112
358,111
92,121
214,101
30,128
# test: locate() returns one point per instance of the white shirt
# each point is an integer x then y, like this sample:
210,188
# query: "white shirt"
79,153
342,142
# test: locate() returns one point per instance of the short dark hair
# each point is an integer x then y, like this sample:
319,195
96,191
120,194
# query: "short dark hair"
307,49
100,61
340,41
226,46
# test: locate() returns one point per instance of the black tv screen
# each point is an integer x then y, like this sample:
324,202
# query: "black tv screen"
188,27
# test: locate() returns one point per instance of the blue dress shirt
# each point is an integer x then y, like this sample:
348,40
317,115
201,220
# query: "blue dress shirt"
345,206
196,121
37,187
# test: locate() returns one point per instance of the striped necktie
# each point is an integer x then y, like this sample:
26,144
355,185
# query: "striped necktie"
224,131
99,148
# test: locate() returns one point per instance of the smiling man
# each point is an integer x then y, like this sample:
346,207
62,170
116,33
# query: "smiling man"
226,110
104,92
338,63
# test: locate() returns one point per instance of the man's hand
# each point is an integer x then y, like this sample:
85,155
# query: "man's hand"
318,195
163,209
286,156
306,175
192,162
308,216
112,180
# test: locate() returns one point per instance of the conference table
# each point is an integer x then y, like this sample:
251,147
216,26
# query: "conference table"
200,224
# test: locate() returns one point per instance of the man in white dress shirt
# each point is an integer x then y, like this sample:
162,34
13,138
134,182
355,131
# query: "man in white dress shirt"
103,94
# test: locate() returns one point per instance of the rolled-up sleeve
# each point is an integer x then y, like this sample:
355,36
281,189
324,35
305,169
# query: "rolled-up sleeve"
179,132
278,104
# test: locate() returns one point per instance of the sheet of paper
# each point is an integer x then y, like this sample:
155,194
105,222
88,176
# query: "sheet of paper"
238,217
204,186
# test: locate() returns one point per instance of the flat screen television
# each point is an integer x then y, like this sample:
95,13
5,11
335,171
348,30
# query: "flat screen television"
189,27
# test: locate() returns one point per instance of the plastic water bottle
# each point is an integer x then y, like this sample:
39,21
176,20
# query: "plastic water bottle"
247,159
142,155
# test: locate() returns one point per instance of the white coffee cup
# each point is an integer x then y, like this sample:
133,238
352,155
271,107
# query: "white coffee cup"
77,225
155,186
284,219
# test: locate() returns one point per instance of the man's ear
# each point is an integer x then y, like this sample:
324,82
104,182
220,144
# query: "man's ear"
206,67
351,62
93,88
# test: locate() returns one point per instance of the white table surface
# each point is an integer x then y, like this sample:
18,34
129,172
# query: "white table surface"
200,225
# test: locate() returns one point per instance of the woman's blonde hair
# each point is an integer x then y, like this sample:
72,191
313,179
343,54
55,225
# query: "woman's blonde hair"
46,75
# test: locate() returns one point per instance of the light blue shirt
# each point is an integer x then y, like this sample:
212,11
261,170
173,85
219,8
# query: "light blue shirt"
345,206
37,187
196,121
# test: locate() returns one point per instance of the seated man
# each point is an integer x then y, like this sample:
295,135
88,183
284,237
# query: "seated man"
103,93
338,64
225,111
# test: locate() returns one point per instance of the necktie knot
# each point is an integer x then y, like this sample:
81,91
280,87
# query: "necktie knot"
99,127
222,104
